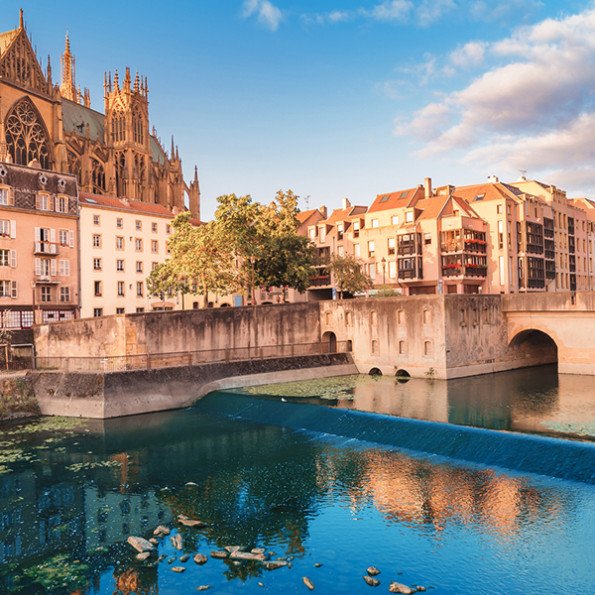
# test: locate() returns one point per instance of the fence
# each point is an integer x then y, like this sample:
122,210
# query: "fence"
148,361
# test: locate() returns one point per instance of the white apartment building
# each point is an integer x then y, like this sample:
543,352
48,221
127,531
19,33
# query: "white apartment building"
121,242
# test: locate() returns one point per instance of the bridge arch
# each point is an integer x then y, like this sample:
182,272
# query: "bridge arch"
535,346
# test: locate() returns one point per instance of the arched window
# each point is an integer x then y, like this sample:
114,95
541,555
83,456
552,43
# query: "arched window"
120,161
74,165
26,136
98,175
137,126
118,126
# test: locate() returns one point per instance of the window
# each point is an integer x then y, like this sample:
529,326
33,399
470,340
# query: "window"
119,265
4,227
97,288
313,234
140,310
138,225
119,310
61,204
138,243
97,264
96,240
46,293
63,237
168,229
371,248
8,258
119,243
154,246
154,227
340,231
26,138
154,266
4,197
402,348
139,289
499,209
97,312
374,223
356,229
64,294
427,239
409,217
120,288
43,202
392,269
43,267
394,220
356,250
139,266
95,219
374,347
372,270
340,251
8,289
322,234
428,351
119,223
391,246
64,267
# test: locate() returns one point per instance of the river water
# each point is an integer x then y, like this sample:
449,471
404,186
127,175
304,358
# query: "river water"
285,468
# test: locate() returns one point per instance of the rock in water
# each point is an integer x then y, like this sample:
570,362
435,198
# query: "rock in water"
178,568
140,544
154,541
161,530
176,541
143,555
395,587
203,587
308,583
200,559
184,558
219,554
373,582
373,571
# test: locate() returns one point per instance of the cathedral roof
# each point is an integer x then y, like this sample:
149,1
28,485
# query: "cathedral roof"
75,118
157,152
6,39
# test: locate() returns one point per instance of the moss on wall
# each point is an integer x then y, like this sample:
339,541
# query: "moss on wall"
17,398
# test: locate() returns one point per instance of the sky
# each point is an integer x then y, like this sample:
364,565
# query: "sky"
345,98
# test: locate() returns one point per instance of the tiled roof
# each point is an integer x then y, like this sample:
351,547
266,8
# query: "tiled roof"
394,200
304,215
111,202
489,190
75,118
342,214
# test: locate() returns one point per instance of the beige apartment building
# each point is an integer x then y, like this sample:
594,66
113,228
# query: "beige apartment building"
483,238
38,246
122,241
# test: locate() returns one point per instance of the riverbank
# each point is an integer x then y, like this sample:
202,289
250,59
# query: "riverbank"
17,399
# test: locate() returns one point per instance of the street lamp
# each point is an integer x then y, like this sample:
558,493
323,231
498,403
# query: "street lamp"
383,261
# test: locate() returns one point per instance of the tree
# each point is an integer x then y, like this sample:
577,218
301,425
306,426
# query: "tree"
348,275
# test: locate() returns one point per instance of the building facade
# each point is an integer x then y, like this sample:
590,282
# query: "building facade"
39,266
53,126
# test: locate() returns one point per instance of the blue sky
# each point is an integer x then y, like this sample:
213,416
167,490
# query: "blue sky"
346,98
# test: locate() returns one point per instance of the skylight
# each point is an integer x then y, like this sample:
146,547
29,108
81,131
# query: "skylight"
479,196
404,194
384,198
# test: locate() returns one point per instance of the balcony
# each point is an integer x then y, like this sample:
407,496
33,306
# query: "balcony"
473,245
408,274
408,248
46,280
470,270
320,281
46,248
451,246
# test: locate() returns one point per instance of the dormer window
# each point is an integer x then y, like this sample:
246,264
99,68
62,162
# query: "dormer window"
409,217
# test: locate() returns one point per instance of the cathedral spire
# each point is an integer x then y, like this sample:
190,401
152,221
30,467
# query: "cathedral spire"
68,84
49,71
21,24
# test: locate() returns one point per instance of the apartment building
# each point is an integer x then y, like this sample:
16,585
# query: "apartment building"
39,279
122,241
484,238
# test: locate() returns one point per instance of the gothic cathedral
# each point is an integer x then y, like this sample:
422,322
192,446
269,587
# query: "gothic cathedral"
52,126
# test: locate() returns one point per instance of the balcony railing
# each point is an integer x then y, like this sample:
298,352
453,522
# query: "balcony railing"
45,248
320,281
476,246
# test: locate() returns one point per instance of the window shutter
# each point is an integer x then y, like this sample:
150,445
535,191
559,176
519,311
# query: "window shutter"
37,201
13,289
53,268
53,236
67,268
37,234
13,259
11,196
71,239
13,228
38,266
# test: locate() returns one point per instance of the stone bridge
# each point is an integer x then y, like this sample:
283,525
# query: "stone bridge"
560,326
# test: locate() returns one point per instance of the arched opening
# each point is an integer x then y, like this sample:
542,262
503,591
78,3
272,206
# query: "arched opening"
375,372
329,342
402,376
224,305
534,348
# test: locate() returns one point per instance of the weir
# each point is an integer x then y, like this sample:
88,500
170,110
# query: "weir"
564,459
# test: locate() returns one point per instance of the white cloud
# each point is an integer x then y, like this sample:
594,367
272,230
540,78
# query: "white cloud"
504,10
395,10
536,111
431,11
267,13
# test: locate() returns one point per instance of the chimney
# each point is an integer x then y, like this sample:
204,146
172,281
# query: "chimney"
346,204
493,179
323,211
427,187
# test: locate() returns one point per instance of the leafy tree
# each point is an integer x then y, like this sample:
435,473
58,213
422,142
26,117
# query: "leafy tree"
348,275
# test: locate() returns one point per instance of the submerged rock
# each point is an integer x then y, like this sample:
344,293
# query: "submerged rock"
184,558
161,530
308,583
219,554
203,587
237,555
395,587
140,544
373,582
188,522
200,559
233,548
176,541
143,555
274,564
178,568
154,541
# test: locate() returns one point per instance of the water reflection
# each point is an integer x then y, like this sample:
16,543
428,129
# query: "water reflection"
531,400
72,497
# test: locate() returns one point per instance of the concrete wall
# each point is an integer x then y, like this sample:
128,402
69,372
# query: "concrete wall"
106,395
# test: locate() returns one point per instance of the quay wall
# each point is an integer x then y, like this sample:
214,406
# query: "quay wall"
104,395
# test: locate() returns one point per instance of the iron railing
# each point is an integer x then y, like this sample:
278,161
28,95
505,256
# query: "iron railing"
149,361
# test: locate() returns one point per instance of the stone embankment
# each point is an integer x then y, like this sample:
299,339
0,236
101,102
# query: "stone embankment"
16,397
104,395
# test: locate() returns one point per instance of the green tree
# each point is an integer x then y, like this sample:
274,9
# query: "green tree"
348,275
